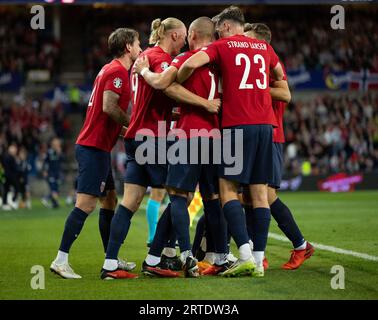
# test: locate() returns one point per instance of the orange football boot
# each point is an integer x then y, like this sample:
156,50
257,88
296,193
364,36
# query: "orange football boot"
265,263
203,265
215,269
117,274
298,257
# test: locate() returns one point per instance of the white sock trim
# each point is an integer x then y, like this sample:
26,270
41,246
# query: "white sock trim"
245,252
220,258
259,257
184,255
302,247
61,257
169,252
152,260
203,244
110,264
210,257
251,244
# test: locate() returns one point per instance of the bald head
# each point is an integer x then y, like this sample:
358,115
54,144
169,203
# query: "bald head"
204,28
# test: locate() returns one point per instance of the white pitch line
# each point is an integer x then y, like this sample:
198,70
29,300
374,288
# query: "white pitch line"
329,248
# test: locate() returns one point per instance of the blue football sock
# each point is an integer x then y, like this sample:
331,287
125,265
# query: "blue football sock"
282,214
180,221
210,245
118,231
216,226
200,230
233,212
152,215
172,238
228,237
163,231
55,203
260,227
72,228
249,219
104,220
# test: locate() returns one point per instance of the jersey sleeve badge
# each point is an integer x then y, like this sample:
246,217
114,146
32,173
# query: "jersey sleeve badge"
117,82
164,65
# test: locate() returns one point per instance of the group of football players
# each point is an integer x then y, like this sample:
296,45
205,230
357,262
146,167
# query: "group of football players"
228,90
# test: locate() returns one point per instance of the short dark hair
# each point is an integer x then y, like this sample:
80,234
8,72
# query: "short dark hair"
119,38
232,13
261,30
247,27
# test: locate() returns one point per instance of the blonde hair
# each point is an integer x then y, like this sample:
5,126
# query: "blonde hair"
160,28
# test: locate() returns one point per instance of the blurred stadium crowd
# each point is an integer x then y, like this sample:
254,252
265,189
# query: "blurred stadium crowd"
330,133
22,48
306,44
26,131
333,134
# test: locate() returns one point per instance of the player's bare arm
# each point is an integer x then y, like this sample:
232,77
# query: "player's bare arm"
180,94
278,72
158,81
280,91
197,60
111,108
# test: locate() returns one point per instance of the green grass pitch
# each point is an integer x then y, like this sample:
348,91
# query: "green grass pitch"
348,221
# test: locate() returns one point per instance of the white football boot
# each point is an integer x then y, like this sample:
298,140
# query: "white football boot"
64,270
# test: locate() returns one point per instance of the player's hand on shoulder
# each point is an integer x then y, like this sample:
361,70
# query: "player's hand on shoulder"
140,64
214,105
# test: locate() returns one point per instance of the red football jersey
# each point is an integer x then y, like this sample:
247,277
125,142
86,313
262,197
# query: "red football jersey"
203,82
245,65
279,109
149,105
99,130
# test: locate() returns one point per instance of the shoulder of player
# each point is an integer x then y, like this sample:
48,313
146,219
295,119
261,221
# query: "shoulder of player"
159,59
116,69
183,56
214,43
242,41
118,75
157,54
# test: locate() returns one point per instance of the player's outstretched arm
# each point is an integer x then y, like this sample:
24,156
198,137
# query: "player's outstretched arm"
183,95
195,61
280,91
158,81
111,108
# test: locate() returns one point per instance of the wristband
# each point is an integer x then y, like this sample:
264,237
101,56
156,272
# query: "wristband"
144,70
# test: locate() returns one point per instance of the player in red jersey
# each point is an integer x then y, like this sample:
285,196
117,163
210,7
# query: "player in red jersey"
280,212
149,107
195,127
245,65
106,115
